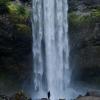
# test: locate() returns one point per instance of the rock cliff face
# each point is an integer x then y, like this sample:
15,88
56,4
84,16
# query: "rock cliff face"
15,50
84,40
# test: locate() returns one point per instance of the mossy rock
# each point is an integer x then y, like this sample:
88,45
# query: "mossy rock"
78,20
24,30
95,13
17,9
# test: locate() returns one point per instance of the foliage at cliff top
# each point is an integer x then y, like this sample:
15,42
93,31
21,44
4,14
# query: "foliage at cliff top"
86,18
18,15
15,8
18,10
96,13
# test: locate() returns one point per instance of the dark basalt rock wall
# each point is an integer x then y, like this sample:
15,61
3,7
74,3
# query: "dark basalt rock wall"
84,40
15,52
82,4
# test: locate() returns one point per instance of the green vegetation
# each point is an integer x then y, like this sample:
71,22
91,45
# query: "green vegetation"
14,8
23,29
18,15
84,19
76,19
18,10
15,32
96,14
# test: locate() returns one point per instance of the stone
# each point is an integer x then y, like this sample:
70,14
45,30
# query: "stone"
44,99
88,98
93,93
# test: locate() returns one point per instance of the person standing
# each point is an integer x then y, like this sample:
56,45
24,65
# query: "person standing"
49,95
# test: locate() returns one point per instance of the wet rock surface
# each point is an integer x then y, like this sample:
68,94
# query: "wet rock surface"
17,96
91,95
15,49
88,98
44,99
84,40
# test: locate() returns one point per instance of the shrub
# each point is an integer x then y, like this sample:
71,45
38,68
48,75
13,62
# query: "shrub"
84,19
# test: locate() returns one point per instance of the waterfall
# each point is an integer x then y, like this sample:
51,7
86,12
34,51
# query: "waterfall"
50,47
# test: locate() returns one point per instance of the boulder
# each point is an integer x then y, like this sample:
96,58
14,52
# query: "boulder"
19,96
88,98
44,99
93,93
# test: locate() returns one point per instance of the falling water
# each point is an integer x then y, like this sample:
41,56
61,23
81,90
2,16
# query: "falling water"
50,47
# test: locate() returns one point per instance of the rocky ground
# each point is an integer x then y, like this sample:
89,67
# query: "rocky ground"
92,95
17,96
20,95
88,98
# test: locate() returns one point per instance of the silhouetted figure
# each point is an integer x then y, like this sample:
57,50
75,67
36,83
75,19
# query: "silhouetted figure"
87,94
48,94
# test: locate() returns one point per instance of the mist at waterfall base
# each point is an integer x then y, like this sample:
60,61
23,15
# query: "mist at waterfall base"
50,50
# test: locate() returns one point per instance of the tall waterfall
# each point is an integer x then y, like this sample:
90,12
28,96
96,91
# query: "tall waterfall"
50,47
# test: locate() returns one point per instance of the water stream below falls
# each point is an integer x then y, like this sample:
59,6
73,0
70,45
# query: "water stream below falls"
50,49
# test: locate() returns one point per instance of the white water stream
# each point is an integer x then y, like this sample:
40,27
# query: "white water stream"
50,48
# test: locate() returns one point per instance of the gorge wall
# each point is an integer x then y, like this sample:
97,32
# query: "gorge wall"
15,46
84,40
